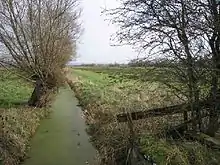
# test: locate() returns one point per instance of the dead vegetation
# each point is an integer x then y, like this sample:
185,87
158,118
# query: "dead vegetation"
18,121
101,104
17,127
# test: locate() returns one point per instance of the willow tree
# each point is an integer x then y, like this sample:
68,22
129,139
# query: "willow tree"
38,37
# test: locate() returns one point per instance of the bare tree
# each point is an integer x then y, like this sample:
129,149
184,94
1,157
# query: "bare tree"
38,38
209,26
184,31
163,28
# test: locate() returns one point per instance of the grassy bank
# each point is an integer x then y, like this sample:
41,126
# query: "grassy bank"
18,121
103,97
13,90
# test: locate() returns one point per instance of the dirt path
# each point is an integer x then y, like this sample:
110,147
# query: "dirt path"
62,140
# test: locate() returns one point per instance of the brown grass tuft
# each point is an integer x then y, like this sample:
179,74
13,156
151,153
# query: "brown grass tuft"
18,126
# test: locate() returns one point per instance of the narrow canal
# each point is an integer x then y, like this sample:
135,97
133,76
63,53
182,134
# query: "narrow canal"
62,139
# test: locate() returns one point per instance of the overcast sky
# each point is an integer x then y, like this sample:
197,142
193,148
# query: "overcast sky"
95,42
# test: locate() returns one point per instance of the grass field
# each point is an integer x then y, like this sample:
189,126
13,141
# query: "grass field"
151,74
13,89
173,79
19,122
104,94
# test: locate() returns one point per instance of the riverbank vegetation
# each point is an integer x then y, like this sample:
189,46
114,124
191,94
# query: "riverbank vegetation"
37,39
186,35
18,121
104,95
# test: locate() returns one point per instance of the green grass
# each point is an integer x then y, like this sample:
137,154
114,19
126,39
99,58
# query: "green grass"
18,122
121,91
13,89
150,74
178,153
171,78
103,96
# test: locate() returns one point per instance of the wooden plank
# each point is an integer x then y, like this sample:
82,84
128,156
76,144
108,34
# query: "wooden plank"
180,108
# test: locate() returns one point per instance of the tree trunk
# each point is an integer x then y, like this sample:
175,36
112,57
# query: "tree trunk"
35,99
214,111
213,125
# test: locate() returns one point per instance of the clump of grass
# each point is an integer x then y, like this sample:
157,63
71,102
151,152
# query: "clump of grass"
179,153
18,126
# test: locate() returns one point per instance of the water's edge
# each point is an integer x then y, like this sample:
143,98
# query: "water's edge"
62,139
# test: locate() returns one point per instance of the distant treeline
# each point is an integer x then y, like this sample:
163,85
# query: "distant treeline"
164,62
145,62
103,65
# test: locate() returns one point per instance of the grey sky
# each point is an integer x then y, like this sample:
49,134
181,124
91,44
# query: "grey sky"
95,42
